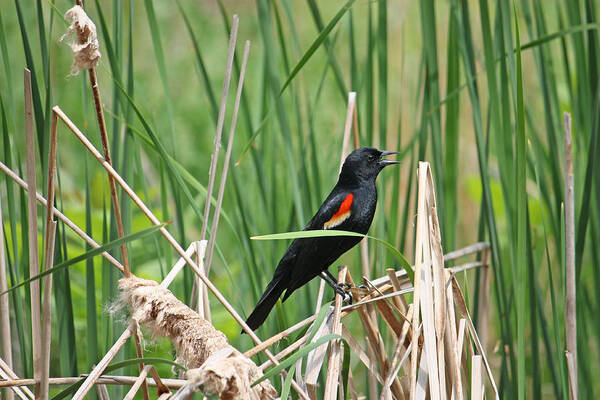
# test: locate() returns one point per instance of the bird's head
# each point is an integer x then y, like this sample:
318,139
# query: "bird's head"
365,164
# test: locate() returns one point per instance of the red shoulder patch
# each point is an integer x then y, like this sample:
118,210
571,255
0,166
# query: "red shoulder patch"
342,213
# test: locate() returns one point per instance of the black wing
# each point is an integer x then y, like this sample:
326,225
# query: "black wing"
311,256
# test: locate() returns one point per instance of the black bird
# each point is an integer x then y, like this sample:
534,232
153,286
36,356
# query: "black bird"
350,207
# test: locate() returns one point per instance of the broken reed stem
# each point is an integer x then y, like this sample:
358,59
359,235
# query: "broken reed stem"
48,262
220,122
34,287
178,266
57,213
217,214
334,358
570,279
170,239
4,307
106,149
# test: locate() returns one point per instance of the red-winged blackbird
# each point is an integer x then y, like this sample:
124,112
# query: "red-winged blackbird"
350,207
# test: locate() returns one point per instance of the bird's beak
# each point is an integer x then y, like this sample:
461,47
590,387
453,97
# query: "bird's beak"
385,163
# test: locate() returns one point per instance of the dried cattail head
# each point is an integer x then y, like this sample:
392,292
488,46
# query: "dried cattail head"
218,368
84,40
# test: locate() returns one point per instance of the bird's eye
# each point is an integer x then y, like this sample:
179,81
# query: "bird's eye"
371,158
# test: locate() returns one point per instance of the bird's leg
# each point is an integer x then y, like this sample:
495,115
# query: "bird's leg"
337,287
334,279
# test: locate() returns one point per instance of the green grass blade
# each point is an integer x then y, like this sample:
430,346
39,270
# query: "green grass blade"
316,43
332,232
88,254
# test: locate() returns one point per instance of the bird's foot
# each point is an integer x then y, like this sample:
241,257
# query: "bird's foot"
340,289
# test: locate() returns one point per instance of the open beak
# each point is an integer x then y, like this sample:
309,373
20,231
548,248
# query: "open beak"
385,163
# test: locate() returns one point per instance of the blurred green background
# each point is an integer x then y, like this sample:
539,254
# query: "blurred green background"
476,88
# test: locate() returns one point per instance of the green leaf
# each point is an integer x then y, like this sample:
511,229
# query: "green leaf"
91,253
329,233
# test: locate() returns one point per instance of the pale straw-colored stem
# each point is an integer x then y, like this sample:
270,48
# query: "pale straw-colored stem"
102,380
216,216
417,284
101,366
138,383
34,269
48,263
57,213
220,122
4,307
570,279
334,357
47,315
7,373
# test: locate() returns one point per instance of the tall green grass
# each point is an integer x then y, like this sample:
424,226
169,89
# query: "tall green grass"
477,88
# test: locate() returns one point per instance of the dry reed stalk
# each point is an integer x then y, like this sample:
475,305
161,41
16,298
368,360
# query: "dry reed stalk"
570,275
439,282
83,38
57,213
417,289
350,114
477,391
47,313
571,370
334,358
73,128
484,298
375,341
4,307
203,305
362,354
285,352
236,107
399,301
49,261
91,379
102,380
459,300
102,392
6,372
179,265
34,269
386,392
220,122
12,390
138,383
451,345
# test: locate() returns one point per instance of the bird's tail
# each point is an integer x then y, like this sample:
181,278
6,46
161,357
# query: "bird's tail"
266,302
